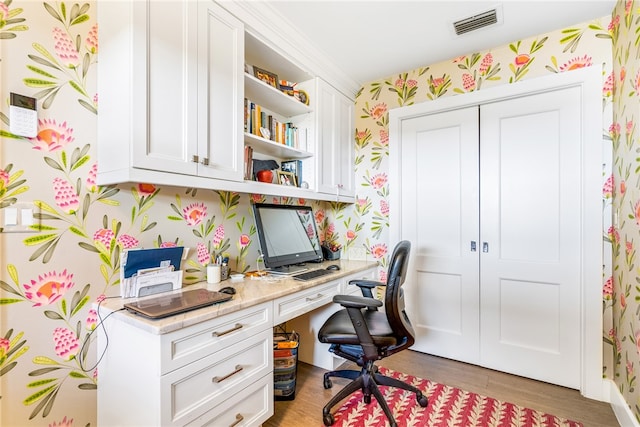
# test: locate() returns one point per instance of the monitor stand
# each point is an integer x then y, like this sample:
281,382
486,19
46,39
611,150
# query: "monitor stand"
288,270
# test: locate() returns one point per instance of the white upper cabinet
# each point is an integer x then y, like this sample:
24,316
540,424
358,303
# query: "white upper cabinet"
220,93
336,149
169,86
174,87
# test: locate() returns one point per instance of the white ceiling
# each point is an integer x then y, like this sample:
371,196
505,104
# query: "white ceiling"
370,40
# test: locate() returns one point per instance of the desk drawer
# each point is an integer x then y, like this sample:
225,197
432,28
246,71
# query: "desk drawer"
192,390
251,407
302,302
195,342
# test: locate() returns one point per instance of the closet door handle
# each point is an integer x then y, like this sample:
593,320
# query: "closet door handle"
485,247
473,246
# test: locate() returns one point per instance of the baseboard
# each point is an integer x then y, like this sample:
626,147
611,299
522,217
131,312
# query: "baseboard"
621,409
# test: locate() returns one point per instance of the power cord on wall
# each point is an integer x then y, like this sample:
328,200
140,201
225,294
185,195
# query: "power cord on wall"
82,351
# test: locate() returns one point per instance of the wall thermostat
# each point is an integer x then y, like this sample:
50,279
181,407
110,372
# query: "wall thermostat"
23,115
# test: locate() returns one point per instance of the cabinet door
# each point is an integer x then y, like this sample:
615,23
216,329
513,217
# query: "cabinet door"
220,93
335,150
440,215
531,210
165,86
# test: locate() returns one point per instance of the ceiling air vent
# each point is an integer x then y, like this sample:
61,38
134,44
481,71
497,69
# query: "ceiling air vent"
476,22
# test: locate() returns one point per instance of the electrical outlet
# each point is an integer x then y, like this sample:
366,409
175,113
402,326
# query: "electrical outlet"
19,217
357,254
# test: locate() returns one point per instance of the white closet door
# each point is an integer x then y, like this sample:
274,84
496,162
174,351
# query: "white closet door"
530,216
439,215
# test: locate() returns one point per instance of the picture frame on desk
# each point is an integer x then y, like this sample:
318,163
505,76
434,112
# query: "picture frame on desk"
287,178
266,76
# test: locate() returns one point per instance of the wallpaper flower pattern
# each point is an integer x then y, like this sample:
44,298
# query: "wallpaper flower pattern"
49,278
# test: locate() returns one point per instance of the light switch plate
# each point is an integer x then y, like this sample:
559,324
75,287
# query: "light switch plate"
19,218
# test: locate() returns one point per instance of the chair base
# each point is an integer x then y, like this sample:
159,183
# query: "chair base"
368,380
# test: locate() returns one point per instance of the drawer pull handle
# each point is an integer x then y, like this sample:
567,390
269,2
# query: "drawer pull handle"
235,328
317,297
220,379
238,420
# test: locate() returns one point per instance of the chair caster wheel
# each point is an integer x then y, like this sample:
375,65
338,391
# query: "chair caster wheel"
367,399
327,383
328,420
422,400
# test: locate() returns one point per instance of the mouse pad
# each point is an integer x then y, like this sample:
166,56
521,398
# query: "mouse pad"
168,305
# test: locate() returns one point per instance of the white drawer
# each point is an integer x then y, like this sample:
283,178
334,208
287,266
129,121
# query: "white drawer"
195,342
302,302
251,407
190,391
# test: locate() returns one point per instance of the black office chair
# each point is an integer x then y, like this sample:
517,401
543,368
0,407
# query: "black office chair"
362,334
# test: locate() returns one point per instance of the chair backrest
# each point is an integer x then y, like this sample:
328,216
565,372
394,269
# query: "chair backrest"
394,297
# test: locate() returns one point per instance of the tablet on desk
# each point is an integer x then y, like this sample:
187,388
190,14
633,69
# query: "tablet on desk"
168,305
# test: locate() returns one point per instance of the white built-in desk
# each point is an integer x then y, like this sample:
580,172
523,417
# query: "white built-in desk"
212,366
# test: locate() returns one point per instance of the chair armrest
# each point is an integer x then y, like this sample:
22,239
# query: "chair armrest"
355,306
366,287
366,283
353,301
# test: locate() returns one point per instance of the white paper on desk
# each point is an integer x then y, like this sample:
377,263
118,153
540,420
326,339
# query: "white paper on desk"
162,281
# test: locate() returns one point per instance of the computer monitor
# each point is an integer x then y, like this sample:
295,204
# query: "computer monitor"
288,237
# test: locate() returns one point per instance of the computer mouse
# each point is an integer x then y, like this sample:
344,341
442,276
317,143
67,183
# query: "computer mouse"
228,290
333,267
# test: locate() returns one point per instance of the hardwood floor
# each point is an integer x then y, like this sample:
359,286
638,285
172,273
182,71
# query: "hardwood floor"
306,409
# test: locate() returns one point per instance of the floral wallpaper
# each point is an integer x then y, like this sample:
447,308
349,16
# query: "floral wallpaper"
621,291
51,275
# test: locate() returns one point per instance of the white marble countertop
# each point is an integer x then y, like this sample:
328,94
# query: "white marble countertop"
249,292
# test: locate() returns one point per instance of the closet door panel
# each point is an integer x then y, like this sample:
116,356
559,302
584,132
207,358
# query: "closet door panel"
530,219
440,213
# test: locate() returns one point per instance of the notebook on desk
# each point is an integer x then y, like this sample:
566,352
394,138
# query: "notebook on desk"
168,305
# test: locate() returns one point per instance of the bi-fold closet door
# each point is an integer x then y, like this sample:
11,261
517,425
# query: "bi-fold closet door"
491,198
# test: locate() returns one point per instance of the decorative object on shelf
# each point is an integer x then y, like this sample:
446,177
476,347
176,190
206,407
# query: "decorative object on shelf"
265,133
266,76
260,165
295,167
302,96
265,175
287,87
287,178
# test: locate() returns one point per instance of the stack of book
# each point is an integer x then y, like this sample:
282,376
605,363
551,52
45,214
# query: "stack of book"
260,123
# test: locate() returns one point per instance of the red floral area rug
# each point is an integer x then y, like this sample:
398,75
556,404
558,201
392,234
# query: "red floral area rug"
448,407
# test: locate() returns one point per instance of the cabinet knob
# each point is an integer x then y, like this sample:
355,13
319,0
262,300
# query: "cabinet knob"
205,161
195,159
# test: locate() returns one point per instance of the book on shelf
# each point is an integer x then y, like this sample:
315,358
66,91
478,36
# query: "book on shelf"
248,163
295,167
260,123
